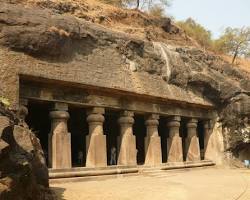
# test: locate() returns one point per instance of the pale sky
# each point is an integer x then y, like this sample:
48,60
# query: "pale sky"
213,14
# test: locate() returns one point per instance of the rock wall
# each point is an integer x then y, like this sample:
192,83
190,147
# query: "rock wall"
23,171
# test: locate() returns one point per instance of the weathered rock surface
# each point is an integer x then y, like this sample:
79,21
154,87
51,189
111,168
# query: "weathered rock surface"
23,171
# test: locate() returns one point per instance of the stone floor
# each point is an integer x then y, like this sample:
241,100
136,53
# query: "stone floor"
191,184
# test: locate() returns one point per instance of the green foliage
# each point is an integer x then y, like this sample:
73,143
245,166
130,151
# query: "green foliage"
197,32
234,41
4,101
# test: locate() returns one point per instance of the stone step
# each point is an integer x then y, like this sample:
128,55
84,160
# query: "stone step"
90,168
81,173
93,172
90,178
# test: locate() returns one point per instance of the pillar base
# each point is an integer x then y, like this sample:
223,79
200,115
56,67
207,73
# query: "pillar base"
60,151
96,151
193,149
127,150
174,145
153,154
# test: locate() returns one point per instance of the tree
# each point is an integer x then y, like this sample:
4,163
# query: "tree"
149,4
157,11
197,32
235,41
145,5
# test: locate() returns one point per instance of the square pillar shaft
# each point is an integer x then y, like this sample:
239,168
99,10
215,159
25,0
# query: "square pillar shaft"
96,140
192,142
174,142
126,140
208,143
153,154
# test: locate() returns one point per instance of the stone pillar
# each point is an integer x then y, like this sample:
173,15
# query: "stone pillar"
152,141
126,140
174,144
59,138
208,146
96,140
192,142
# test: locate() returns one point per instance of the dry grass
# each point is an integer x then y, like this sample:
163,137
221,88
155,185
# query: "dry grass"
240,62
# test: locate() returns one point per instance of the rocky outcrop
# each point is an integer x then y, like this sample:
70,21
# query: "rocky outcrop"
23,171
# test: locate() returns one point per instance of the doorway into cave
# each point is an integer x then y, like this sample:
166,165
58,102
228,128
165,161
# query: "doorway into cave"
111,130
183,135
200,134
39,122
78,127
163,133
139,129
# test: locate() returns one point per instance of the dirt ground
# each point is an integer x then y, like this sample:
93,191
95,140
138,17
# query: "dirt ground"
192,184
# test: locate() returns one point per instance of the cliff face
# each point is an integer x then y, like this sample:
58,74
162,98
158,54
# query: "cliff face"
43,34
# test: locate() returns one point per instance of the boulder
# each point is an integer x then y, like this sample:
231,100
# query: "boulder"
23,171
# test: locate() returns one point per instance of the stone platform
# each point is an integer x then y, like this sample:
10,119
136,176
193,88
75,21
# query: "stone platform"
87,173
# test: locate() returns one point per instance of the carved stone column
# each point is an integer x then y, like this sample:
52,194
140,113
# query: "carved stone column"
192,141
59,138
152,141
126,140
96,140
208,145
174,144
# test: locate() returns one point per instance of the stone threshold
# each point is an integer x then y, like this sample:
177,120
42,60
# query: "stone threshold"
86,173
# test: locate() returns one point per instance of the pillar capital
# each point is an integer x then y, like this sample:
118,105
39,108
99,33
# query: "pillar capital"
59,115
152,120
126,117
192,123
174,121
96,110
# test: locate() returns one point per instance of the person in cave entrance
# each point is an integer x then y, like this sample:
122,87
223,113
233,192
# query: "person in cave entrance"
80,158
113,156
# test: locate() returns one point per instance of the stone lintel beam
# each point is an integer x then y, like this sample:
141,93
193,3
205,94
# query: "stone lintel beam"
174,142
96,140
59,140
126,140
153,155
192,141
61,106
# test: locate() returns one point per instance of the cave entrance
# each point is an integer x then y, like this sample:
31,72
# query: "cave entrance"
183,135
78,127
39,122
111,130
163,133
200,134
139,130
